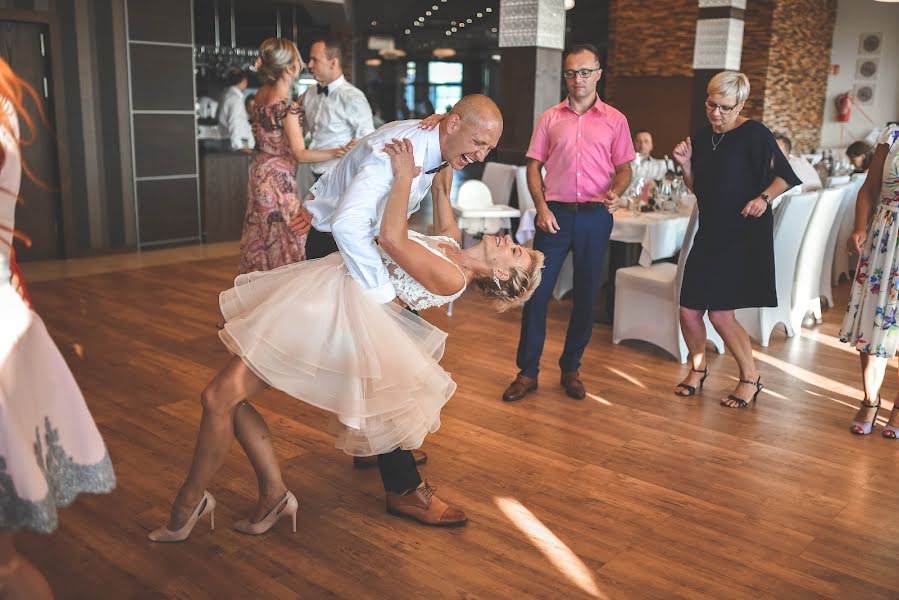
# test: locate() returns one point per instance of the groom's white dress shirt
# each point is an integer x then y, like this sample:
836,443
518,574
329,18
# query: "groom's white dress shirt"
350,198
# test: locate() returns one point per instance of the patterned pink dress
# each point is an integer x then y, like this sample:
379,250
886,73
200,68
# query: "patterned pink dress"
267,241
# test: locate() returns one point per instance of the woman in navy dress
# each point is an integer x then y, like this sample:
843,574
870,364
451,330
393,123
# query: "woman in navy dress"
735,169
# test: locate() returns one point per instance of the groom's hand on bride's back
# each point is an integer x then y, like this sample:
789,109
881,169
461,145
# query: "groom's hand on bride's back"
302,222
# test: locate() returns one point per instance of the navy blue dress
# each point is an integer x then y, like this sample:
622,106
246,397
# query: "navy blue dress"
731,264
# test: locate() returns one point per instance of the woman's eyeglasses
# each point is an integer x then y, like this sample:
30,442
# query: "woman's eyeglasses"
583,73
711,107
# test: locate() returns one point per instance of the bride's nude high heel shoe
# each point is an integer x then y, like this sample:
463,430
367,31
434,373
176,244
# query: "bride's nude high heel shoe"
206,505
288,505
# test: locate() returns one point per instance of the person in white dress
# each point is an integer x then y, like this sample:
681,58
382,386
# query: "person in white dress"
50,449
870,323
311,330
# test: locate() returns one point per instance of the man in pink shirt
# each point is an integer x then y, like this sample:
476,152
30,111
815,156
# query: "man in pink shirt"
585,146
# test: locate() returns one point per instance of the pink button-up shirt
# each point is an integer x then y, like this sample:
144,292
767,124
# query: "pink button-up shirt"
580,151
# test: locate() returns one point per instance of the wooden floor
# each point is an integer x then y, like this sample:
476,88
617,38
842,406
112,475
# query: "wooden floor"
630,493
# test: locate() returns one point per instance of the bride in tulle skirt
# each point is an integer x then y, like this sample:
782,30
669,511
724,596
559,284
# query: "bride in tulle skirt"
309,330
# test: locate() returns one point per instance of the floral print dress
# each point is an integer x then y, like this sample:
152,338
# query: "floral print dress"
267,241
870,322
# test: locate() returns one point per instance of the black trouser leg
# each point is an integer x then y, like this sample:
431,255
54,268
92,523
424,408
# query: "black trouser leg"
319,244
398,471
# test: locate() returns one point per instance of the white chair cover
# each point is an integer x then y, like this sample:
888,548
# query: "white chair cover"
499,178
525,200
830,250
807,282
836,180
845,224
647,303
788,235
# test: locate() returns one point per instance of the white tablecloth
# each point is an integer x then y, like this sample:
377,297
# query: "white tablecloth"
659,233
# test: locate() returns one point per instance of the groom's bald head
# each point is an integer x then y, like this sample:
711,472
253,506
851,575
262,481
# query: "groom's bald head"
470,131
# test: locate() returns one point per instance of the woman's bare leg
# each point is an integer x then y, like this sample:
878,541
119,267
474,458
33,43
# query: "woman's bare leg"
693,328
232,384
737,342
256,439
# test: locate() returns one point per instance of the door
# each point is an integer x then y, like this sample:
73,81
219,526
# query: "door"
26,47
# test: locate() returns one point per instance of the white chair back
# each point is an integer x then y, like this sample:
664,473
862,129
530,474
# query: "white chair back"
473,194
795,217
525,200
499,178
807,281
692,226
859,177
836,180
847,204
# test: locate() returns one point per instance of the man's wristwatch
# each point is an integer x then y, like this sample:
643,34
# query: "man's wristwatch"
766,198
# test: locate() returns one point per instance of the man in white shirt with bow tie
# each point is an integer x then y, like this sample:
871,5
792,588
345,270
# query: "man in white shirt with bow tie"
347,209
336,113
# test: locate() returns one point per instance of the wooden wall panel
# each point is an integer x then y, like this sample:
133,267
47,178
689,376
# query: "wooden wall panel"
164,145
158,77
167,209
161,21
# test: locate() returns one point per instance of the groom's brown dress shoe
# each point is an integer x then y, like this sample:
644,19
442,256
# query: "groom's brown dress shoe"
521,387
573,385
423,506
367,462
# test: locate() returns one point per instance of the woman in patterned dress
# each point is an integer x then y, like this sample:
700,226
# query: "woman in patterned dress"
50,449
870,322
267,242
309,329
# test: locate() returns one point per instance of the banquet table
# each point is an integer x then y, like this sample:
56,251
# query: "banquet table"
660,234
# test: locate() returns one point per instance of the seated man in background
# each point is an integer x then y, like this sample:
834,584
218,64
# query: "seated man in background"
811,181
645,168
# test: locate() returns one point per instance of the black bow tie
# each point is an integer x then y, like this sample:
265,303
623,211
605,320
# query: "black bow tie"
322,89
437,169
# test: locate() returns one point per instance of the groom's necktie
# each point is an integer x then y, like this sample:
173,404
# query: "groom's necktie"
437,169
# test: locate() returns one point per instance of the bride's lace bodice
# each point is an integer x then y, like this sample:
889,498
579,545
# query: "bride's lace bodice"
408,290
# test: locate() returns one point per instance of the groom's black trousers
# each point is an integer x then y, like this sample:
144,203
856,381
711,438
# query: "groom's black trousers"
398,470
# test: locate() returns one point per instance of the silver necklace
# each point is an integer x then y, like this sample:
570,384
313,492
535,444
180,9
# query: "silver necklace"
718,143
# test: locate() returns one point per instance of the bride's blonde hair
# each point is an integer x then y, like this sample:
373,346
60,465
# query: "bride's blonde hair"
518,288
276,55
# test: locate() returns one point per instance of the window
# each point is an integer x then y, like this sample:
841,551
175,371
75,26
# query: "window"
445,84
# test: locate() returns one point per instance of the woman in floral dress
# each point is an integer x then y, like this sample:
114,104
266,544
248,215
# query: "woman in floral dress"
267,242
870,322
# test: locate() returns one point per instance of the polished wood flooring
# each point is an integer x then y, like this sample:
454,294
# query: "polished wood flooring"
630,493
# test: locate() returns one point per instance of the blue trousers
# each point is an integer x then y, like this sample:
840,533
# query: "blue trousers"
584,230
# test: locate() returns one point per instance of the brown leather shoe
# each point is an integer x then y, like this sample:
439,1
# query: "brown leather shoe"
573,385
423,506
367,462
521,387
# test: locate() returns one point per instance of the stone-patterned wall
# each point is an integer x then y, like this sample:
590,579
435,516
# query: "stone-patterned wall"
647,42
756,54
798,62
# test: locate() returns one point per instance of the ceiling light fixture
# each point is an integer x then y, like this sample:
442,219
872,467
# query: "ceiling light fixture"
569,4
373,62
443,52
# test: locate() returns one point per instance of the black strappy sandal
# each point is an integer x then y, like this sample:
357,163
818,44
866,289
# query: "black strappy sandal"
689,388
744,403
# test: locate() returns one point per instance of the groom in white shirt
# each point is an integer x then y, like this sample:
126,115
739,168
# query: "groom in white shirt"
348,204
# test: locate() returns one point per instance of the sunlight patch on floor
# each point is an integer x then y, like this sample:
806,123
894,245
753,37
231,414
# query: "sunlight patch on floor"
627,377
807,376
598,399
554,549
